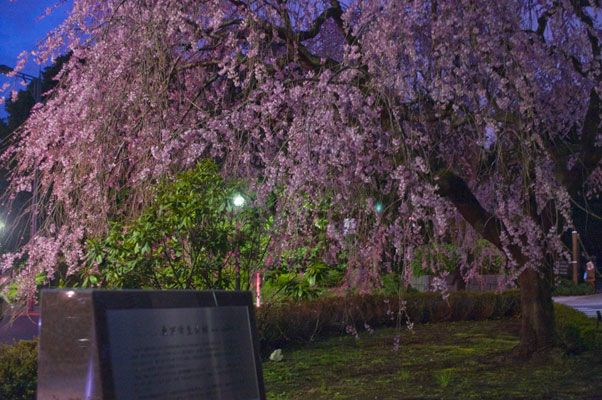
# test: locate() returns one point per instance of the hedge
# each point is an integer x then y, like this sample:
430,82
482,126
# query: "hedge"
283,324
576,332
566,287
18,370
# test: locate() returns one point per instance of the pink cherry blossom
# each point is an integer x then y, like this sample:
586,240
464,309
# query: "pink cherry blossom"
484,111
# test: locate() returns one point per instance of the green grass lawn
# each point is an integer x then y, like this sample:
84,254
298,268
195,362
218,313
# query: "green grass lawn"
459,360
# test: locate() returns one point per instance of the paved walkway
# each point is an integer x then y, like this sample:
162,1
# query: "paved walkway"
586,304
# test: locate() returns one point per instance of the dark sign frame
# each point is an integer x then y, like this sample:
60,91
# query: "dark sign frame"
146,299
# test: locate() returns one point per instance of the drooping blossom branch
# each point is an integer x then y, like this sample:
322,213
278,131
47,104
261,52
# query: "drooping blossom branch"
429,109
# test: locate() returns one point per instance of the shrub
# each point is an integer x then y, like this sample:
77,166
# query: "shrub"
192,236
292,322
566,287
576,332
18,370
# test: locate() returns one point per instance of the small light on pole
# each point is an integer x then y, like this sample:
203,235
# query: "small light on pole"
378,207
237,201
575,261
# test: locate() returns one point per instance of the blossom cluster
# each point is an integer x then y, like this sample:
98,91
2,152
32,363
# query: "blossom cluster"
330,107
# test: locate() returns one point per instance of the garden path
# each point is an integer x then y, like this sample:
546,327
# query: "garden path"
586,304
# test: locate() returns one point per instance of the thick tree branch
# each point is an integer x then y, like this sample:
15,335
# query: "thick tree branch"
286,32
453,188
542,21
578,6
293,40
333,12
539,34
589,154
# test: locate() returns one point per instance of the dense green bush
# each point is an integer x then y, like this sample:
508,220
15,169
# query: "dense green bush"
566,287
300,283
576,332
192,236
303,321
18,370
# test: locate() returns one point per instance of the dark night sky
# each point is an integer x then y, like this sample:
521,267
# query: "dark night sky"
19,31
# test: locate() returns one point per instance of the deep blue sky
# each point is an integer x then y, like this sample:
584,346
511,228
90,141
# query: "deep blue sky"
19,31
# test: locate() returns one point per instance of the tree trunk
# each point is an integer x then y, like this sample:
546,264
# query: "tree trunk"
459,280
537,312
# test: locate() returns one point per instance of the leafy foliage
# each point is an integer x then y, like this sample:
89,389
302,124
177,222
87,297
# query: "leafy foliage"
191,236
576,332
301,283
566,287
18,370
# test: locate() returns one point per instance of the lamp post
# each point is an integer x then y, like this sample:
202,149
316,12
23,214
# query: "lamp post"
575,261
36,89
238,201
